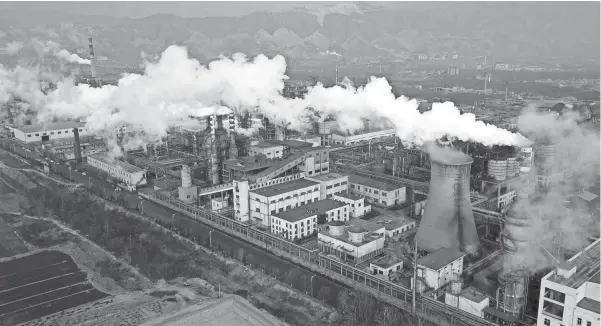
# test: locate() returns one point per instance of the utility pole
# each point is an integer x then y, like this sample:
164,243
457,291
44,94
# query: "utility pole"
413,305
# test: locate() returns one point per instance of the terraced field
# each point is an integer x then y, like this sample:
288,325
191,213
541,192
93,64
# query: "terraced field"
42,284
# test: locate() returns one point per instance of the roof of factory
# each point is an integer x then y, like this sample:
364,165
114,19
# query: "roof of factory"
51,126
391,220
386,261
472,294
328,176
267,144
589,304
128,168
440,258
311,209
367,238
348,196
284,187
587,263
352,178
587,196
369,225
230,310
296,143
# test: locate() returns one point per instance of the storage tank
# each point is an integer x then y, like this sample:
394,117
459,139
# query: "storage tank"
513,292
356,234
544,158
497,169
336,228
448,220
512,167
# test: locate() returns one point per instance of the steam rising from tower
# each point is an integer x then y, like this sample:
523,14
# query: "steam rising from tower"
448,220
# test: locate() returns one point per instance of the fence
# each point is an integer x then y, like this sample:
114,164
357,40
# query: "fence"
427,307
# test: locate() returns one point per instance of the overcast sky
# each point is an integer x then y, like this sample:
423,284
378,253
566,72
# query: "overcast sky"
147,8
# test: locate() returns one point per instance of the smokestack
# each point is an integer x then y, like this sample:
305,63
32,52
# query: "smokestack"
92,59
77,145
214,124
506,91
448,220
486,83
233,148
336,72
186,176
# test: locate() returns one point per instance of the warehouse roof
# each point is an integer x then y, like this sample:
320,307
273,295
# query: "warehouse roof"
284,187
328,176
103,157
440,258
311,209
587,267
352,178
51,126
589,304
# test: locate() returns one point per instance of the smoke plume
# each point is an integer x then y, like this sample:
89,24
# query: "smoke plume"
176,87
13,48
552,218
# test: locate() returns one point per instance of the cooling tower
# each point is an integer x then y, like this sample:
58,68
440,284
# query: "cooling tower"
448,220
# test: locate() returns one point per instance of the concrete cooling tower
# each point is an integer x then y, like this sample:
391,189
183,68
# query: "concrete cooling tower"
448,220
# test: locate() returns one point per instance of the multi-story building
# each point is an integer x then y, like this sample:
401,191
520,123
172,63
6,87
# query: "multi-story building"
271,149
377,192
439,267
353,244
330,184
317,160
127,173
353,139
570,294
48,132
301,222
356,204
268,201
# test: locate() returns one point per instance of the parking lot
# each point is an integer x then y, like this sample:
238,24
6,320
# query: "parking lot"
42,284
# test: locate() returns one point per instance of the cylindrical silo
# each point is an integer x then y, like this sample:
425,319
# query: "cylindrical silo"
497,168
324,127
512,168
356,234
336,228
513,292
544,158
448,220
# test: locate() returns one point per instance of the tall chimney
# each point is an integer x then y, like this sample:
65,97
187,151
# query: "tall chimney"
336,72
214,124
77,145
448,220
92,59
233,148
506,91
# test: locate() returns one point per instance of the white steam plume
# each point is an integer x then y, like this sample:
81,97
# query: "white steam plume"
177,87
577,148
13,48
71,57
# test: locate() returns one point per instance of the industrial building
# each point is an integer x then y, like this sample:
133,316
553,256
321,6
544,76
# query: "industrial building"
570,294
48,132
330,184
357,205
386,265
278,198
354,139
301,222
468,299
127,173
438,268
353,244
377,192
267,148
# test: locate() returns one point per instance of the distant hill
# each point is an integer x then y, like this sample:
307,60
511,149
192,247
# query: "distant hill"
564,32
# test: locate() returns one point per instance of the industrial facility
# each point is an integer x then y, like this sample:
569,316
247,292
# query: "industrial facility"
443,226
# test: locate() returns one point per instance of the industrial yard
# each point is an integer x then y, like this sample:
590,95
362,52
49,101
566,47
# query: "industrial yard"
294,205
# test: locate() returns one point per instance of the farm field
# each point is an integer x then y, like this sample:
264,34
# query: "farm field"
42,284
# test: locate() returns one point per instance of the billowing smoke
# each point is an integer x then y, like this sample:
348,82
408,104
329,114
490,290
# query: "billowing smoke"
71,57
552,217
177,87
53,48
13,48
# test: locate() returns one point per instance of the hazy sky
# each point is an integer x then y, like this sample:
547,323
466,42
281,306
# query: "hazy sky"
148,8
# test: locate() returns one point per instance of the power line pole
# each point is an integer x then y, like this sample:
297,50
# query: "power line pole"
413,305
